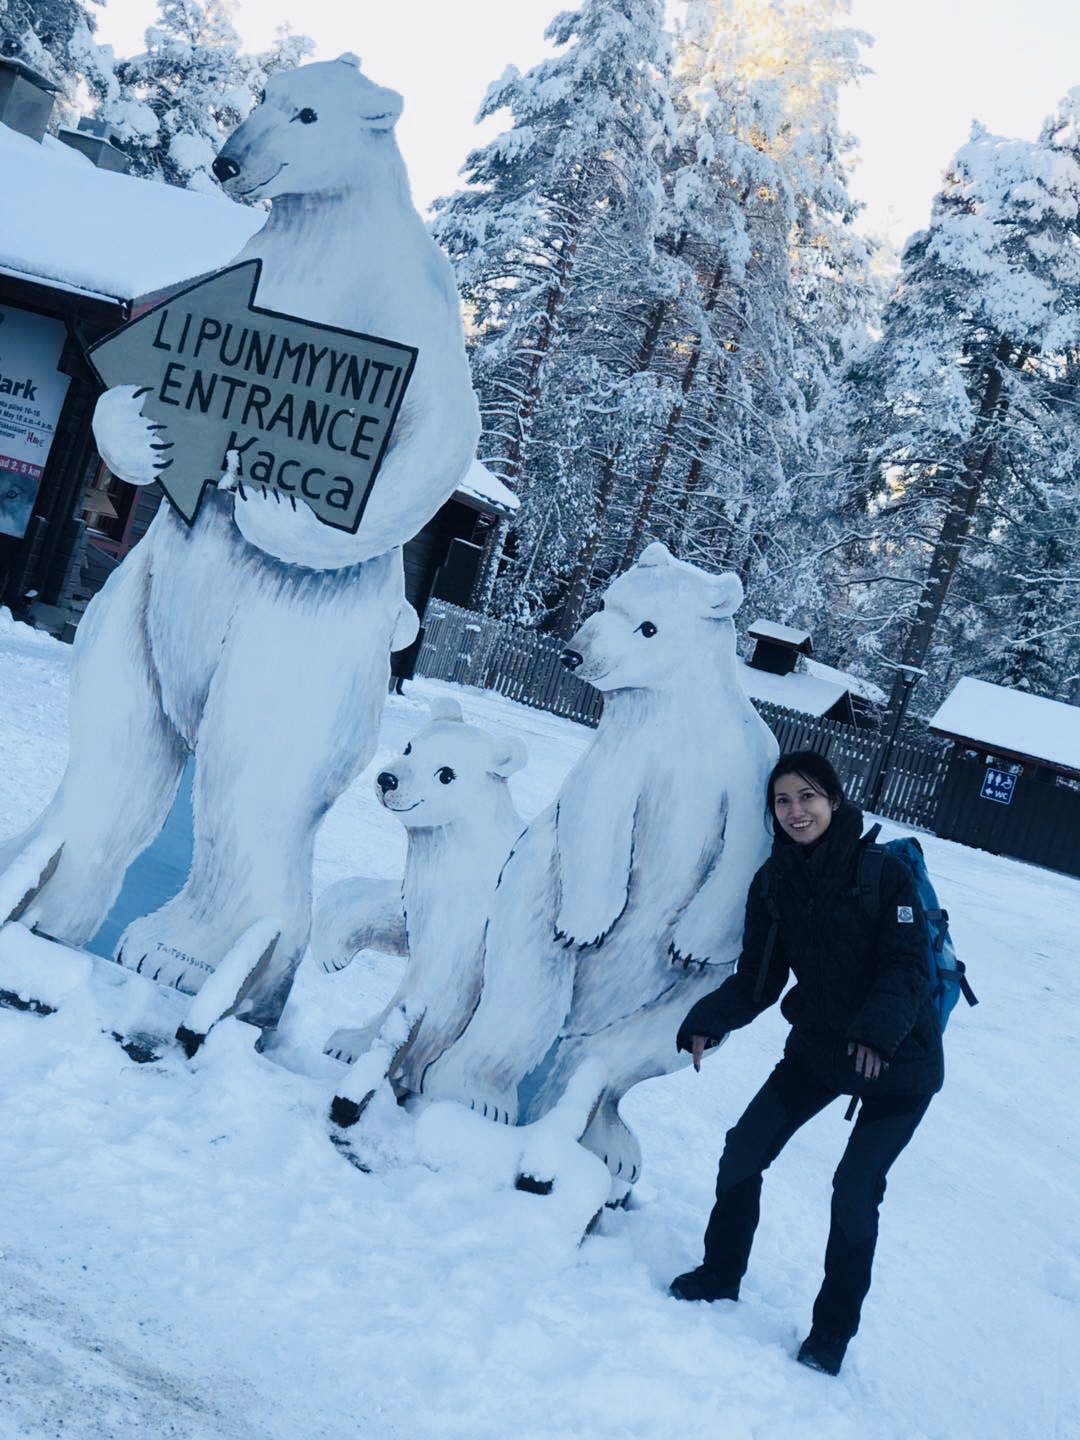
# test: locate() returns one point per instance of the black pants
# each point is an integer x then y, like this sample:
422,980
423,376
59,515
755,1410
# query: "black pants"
787,1100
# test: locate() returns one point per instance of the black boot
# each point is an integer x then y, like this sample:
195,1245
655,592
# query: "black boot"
702,1284
822,1352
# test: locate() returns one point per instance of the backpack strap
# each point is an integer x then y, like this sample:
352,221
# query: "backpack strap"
965,989
768,895
868,874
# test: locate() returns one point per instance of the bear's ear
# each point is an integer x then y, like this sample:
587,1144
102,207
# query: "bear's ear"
510,755
655,554
446,709
726,595
349,59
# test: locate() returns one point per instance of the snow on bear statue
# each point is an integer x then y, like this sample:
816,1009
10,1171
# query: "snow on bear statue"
259,638
449,789
623,902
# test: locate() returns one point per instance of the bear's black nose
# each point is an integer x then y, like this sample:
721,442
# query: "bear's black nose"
571,659
386,781
225,169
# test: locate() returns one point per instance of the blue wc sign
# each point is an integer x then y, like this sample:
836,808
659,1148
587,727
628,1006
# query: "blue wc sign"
998,785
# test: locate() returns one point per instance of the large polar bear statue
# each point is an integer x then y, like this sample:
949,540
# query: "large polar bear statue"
259,638
623,902
449,790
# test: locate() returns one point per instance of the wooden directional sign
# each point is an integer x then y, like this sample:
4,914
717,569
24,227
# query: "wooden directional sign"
309,409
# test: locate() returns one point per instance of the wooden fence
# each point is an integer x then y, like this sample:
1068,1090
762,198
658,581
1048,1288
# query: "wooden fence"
915,768
473,649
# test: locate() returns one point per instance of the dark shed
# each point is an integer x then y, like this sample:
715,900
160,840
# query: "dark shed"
1013,782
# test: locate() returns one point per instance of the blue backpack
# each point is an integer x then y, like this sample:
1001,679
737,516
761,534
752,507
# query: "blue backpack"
948,978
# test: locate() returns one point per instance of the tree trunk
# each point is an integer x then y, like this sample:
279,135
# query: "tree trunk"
532,384
578,587
967,488
488,569
649,489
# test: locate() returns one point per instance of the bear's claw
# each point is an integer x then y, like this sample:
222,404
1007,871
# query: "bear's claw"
532,1186
571,942
686,962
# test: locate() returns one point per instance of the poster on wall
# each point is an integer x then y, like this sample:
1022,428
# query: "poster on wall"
32,392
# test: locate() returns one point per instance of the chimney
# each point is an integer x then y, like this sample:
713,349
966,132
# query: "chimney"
777,647
93,140
26,98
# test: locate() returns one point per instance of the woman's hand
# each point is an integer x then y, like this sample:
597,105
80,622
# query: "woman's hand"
696,1045
868,1063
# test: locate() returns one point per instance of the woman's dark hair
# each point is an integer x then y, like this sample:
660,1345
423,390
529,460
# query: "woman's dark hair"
809,766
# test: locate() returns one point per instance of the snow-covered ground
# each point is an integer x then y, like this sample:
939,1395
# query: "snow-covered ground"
185,1254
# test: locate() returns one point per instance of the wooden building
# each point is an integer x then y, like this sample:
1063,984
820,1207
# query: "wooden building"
781,670
79,242
1013,782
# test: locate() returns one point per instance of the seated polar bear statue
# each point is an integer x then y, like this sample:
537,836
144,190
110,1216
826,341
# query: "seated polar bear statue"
259,638
449,790
623,902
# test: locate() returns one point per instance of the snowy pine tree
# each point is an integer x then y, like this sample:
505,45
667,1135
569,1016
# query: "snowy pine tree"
554,249
970,444
1038,617
56,38
759,185
178,101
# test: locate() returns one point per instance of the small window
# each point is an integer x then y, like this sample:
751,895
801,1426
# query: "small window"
1011,767
107,504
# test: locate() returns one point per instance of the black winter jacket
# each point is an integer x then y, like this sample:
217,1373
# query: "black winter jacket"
858,980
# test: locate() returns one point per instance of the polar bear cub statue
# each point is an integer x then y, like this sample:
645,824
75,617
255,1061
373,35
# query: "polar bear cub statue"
259,638
449,789
623,902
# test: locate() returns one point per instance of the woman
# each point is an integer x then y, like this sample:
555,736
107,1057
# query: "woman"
862,1024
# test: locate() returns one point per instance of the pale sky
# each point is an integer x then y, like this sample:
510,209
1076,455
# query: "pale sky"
938,64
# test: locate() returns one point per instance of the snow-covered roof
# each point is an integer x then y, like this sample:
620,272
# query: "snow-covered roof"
855,683
481,484
1003,720
67,223
782,634
809,694
20,67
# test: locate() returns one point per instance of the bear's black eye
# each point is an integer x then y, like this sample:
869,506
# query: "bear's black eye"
599,607
647,628
445,775
408,748
306,116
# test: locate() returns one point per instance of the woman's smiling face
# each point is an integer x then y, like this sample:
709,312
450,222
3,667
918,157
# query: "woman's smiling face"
802,810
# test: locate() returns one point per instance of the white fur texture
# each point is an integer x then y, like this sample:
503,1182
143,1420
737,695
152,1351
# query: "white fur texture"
623,902
449,790
258,638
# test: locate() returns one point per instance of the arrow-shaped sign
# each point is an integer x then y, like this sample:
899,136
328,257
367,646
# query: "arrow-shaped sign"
307,408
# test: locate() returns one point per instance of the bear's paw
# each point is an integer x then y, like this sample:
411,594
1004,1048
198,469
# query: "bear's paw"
580,925
286,529
697,941
134,448
348,1045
